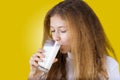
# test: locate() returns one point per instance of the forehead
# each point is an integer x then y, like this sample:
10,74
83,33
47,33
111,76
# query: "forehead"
57,21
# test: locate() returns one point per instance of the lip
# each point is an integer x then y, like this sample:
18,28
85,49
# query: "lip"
60,43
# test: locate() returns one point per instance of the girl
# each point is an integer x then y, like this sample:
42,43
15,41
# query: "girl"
84,47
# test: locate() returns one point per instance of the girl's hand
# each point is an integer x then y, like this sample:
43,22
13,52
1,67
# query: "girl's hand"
37,57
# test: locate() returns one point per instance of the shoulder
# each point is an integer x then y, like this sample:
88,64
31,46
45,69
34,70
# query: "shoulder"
112,68
111,62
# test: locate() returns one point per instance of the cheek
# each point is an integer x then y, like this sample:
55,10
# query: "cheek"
66,45
65,39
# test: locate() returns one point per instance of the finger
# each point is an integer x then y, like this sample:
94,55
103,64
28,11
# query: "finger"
35,59
35,64
34,55
40,55
40,51
55,60
38,59
31,60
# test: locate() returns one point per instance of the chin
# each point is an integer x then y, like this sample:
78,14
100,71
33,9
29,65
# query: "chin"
63,51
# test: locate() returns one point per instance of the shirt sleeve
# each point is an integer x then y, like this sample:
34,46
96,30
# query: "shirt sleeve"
113,69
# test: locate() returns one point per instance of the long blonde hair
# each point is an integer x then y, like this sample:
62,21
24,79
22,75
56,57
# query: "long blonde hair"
89,45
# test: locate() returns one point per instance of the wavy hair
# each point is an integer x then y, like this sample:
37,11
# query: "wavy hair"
89,45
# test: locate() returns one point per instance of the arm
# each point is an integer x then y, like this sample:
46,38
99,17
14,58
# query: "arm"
40,76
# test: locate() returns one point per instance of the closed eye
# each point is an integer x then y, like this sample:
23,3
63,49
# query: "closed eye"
52,31
63,31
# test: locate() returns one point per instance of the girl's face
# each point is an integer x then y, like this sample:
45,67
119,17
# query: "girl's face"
60,33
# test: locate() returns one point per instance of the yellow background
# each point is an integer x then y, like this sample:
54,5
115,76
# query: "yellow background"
21,23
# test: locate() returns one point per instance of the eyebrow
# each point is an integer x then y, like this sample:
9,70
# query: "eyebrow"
58,27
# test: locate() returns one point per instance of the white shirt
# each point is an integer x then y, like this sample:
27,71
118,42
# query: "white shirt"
112,68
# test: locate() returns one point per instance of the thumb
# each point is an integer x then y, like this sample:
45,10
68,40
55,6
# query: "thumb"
55,60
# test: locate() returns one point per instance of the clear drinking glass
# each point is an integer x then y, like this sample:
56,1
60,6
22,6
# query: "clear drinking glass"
51,49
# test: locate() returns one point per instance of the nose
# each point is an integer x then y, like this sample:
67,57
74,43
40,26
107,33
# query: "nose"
56,36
